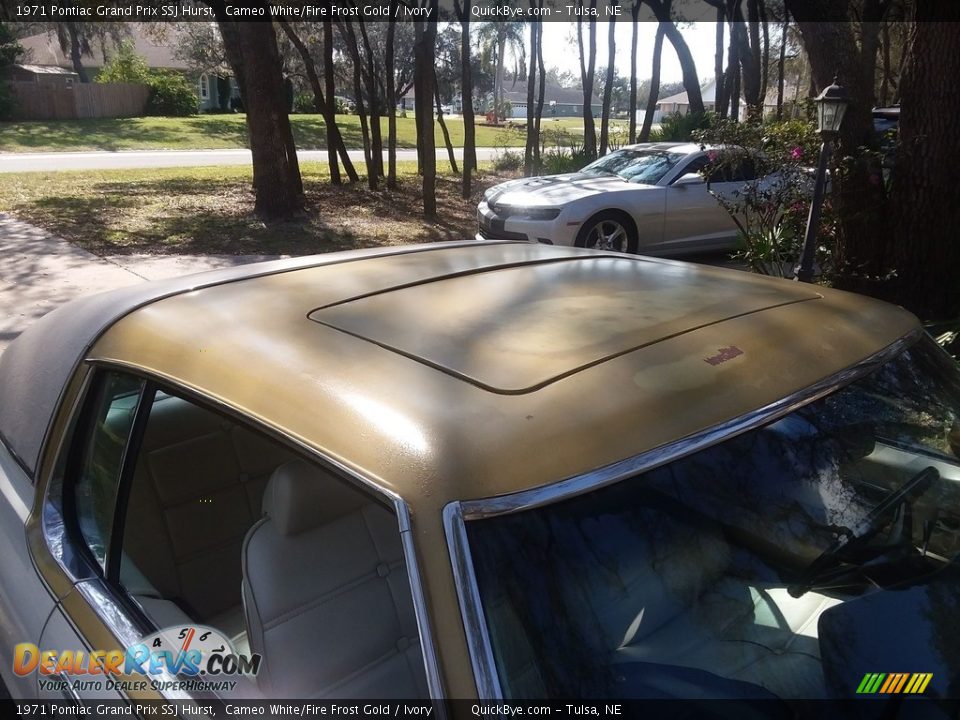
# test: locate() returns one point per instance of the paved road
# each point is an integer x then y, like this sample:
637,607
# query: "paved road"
106,160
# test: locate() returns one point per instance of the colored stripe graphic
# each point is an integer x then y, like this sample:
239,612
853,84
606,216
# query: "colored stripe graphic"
922,684
894,683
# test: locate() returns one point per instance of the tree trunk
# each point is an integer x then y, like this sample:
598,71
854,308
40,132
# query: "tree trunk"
608,86
334,139
391,100
498,109
654,85
532,138
423,53
443,125
782,63
750,59
350,39
353,48
540,89
373,97
76,53
858,191
719,95
765,62
731,95
635,12
735,73
924,213
586,79
277,182
691,81
466,97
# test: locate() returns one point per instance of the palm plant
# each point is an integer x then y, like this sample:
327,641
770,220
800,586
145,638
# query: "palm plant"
496,39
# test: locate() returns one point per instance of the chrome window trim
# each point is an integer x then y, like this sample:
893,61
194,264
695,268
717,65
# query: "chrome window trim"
47,511
471,607
112,613
456,514
431,660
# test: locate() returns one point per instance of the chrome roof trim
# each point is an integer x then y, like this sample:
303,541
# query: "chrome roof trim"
650,459
471,607
456,513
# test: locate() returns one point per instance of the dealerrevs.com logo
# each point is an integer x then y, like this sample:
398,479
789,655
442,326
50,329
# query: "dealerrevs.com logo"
201,658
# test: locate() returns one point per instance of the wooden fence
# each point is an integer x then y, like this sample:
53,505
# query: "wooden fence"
81,100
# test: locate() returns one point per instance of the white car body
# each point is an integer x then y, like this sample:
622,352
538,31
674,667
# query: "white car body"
677,215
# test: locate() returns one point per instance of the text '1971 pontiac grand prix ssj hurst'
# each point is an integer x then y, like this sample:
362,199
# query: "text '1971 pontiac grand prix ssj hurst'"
479,470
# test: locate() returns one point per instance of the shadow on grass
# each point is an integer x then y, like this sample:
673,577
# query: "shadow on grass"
110,134
183,215
227,128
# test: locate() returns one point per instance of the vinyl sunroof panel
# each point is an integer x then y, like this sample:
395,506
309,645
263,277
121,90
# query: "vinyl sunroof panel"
514,329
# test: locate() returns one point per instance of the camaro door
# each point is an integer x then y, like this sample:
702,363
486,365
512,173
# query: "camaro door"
695,219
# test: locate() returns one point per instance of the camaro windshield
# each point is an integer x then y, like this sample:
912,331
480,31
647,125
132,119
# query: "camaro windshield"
789,561
639,166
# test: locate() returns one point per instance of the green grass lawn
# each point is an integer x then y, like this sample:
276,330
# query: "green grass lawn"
211,132
210,210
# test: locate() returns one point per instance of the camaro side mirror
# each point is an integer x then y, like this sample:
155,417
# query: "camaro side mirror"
688,179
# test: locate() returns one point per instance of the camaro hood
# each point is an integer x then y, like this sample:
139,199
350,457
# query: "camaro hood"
556,190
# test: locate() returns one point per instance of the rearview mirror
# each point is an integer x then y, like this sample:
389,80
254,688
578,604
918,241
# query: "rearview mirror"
691,178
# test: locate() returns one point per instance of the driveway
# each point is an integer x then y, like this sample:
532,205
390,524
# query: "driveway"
39,271
106,160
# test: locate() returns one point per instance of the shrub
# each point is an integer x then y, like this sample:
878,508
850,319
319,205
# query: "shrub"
771,211
10,51
125,67
303,103
557,161
171,94
508,160
561,151
6,101
680,126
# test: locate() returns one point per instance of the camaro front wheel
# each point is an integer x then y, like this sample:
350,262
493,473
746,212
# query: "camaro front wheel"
608,230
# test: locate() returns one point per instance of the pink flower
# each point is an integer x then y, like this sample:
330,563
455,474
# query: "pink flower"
712,156
796,153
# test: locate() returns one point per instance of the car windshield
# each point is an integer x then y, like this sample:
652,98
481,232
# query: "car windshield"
803,559
639,166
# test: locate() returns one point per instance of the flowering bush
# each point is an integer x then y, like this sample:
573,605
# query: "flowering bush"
771,210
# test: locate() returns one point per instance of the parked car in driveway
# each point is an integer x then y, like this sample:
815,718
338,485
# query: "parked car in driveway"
468,469
650,198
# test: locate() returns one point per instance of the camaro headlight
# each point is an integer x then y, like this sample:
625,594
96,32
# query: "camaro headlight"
538,213
519,212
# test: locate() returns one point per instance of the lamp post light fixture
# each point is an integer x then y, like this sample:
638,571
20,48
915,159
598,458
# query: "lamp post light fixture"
831,107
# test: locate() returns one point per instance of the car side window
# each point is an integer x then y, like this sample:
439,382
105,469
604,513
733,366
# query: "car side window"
109,422
744,170
695,166
200,520
737,168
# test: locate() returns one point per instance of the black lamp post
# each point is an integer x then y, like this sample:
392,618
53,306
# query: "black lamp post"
831,107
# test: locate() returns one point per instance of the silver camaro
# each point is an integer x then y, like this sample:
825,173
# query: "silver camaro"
649,198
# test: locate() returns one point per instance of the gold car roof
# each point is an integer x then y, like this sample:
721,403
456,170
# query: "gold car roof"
462,372
516,329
